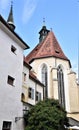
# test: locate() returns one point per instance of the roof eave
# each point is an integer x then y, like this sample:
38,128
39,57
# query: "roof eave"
36,80
25,46
51,56
27,65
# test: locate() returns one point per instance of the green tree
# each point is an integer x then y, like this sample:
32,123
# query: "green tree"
46,115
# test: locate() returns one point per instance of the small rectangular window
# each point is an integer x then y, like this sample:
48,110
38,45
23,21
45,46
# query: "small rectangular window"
6,125
10,80
13,49
38,96
24,76
31,93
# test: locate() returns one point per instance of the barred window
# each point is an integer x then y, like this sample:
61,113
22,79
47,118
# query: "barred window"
6,125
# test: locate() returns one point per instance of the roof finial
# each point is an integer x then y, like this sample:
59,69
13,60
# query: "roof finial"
43,21
10,19
51,29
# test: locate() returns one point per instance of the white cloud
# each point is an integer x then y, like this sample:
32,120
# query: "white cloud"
28,10
4,4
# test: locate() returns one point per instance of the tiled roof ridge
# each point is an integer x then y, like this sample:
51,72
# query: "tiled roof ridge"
59,49
34,50
49,47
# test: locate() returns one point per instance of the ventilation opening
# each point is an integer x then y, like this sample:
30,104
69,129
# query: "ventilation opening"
57,51
22,97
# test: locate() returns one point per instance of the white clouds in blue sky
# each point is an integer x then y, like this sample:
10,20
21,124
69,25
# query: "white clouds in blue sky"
28,10
62,16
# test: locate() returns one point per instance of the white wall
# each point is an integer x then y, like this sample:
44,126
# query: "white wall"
51,63
10,96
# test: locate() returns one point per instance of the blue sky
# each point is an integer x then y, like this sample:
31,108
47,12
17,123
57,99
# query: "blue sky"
60,15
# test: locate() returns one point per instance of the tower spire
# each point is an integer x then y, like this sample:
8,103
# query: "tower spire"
43,32
43,21
10,19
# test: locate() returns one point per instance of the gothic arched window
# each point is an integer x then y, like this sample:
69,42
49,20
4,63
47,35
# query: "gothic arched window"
61,92
44,77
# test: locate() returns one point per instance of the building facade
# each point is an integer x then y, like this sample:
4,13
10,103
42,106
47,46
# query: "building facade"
45,72
20,89
32,88
11,67
54,70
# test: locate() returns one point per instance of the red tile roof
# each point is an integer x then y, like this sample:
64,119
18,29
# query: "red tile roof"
34,78
48,48
31,74
26,63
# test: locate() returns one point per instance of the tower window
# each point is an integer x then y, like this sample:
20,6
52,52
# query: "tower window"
10,80
13,49
6,125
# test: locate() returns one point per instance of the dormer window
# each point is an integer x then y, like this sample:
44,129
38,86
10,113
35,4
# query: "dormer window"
13,49
57,51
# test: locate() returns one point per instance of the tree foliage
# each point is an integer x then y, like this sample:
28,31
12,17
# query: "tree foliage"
46,115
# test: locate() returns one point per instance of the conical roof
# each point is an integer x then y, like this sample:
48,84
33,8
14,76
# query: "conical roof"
48,48
10,19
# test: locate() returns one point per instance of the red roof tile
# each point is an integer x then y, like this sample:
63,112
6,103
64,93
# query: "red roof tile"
26,63
48,48
33,77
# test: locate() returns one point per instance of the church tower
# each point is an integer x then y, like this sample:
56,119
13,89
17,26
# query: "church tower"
53,69
43,32
49,63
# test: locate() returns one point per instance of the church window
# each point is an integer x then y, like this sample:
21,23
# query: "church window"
24,76
44,74
6,125
44,77
31,93
61,92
